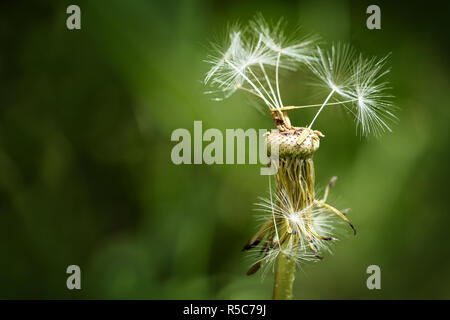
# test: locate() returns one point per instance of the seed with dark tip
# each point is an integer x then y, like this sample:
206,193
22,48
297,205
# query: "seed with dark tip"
332,181
354,230
251,245
254,268
317,256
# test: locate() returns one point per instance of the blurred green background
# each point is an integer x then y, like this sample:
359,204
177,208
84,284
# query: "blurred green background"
86,176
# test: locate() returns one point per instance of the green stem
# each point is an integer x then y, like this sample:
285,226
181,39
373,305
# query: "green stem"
284,277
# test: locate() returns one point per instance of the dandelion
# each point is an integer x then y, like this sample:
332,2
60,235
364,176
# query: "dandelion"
298,227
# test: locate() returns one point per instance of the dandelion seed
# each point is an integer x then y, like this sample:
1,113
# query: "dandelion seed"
218,61
333,69
275,39
357,80
374,110
291,49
